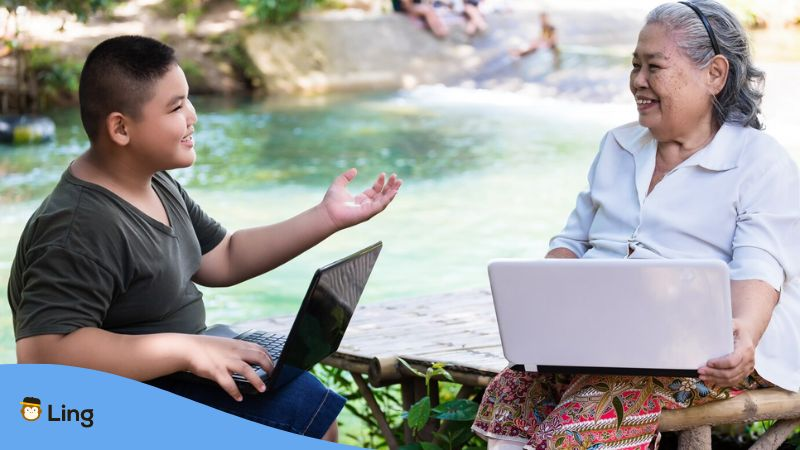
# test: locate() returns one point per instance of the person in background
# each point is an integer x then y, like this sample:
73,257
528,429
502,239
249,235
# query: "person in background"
476,22
424,11
548,38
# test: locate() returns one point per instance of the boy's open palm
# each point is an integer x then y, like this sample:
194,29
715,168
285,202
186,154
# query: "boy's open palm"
344,210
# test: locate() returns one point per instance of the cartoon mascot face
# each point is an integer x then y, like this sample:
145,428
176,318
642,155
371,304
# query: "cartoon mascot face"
31,408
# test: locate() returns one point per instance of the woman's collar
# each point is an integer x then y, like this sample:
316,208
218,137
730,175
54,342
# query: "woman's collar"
721,154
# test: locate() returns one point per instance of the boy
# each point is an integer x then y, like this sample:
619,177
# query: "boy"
109,260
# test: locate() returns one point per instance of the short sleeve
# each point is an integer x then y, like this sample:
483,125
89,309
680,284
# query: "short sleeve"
766,241
209,232
62,291
575,234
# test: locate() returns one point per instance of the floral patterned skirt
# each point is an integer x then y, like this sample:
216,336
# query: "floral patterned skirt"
592,412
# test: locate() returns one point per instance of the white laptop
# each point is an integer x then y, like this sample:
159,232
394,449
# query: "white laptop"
624,316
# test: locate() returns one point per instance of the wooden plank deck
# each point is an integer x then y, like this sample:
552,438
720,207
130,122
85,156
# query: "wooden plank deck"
458,328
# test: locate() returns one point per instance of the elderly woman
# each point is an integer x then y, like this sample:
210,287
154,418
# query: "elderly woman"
694,178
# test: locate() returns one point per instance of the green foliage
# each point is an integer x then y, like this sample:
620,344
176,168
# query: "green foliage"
332,4
192,71
81,8
437,369
456,410
275,11
366,433
794,440
56,77
230,49
419,414
193,7
187,11
281,11
756,429
420,446
453,418
745,436
749,12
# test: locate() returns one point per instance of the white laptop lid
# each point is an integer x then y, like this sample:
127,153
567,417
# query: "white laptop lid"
612,316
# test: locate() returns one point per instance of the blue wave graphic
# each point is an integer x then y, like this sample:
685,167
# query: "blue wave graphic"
125,414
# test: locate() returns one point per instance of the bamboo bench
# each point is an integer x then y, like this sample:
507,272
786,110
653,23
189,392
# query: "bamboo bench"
764,404
460,329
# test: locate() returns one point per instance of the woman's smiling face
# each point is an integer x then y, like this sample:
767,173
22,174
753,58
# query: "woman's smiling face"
671,94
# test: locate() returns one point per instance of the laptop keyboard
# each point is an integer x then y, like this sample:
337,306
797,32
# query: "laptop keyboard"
272,342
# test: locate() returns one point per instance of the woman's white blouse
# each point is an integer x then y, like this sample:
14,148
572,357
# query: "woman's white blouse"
737,200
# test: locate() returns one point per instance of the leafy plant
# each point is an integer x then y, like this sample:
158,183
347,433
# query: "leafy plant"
81,8
56,77
275,11
757,429
230,48
794,440
193,72
187,11
456,416
366,431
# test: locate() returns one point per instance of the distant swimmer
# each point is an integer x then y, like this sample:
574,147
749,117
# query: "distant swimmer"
548,38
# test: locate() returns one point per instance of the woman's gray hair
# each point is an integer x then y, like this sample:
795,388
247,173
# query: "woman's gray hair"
740,100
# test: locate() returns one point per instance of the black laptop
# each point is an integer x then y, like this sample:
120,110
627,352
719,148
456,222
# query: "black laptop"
318,328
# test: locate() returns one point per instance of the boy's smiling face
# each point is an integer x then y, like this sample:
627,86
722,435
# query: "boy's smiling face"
162,136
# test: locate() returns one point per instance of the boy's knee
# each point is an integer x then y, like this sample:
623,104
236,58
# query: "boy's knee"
332,435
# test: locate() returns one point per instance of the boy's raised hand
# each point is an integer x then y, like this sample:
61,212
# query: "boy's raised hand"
344,210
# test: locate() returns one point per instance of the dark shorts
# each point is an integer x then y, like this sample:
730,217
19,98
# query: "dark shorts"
397,5
304,406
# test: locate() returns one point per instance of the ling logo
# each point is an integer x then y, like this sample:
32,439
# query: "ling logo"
31,408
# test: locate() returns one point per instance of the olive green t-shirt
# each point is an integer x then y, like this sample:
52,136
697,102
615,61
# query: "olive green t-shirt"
88,258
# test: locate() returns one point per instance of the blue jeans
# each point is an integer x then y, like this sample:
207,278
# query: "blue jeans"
304,406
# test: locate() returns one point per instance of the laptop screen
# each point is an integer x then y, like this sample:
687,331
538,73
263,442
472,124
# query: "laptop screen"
326,311
613,316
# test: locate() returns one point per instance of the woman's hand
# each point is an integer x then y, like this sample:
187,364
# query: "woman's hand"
561,253
217,358
752,303
344,210
730,370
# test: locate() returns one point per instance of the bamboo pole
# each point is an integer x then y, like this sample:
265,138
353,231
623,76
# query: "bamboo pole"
384,371
695,439
759,404
776,434
347,362
366,392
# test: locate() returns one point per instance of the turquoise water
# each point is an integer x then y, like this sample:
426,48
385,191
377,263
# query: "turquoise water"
487,175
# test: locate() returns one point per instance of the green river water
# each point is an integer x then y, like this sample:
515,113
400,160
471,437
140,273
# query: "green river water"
486,175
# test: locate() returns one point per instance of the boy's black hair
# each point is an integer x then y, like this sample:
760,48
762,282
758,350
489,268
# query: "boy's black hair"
118,76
